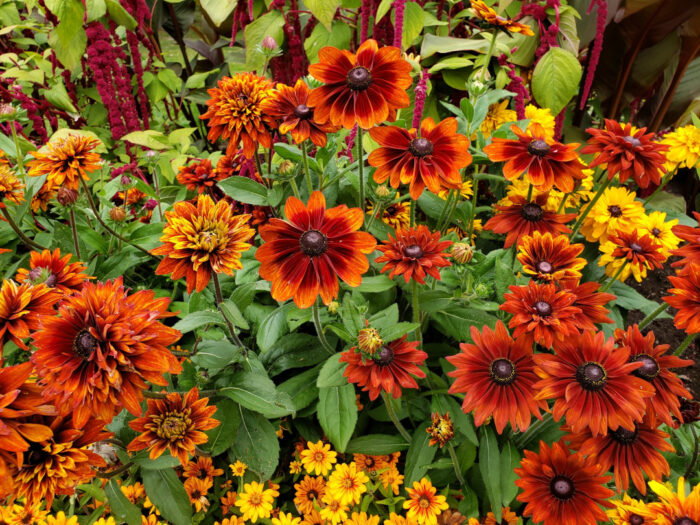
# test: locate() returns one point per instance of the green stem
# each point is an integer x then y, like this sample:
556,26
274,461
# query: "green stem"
562,204
26,240
219,302
473,211
614,277
116,471
529,192
686,342
455,463
492,45
415,302
667,178
258,165
319,329
379,209
450,212
156,186
448,201
394,418
361,171
649,318
585,212
20,160
295,188
414,205
75,233
306,167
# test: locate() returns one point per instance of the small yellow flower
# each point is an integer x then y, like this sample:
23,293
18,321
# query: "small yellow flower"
424,504
108,521
333,510
396,215
625,509
497,115
333,307
541,116
369,340
362,518
318,458
61,519
616,210
655,225
347,483
233,520
520,188
280,431
238,468
30,515
391,477
395,519
295,467
286,519
465,191
255,501
684,147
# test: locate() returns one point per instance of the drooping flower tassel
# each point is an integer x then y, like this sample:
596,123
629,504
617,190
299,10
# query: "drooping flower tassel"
399,10
602,11
419,101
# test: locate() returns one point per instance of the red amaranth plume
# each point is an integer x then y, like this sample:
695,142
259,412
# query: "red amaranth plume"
33,113
516,86
399,10
366,11
419,99
602,12
133,41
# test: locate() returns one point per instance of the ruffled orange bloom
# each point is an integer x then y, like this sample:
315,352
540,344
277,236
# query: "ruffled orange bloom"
364,89
561,488
198,240
685,297
304,256
441,429
309,492
590,302
66,161
628,453
391,368
236,113
486,13
41,199
627,154
175,423
202,468
21,308
689,252
290,105
496,374
523,218
432,159
54,271
197,490
550,257
11,188
508,517
95,356
230,165
545,163
199,176
593,384
414,253
370,463
640,252
541,312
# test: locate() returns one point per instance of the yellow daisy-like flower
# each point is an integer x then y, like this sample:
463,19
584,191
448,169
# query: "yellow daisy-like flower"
581,194
473,521
295,467
396,519
423,503
318,458
541,116
238,468
347,483
361,518
627,511
308,492
255,501
151,519
106,521
655,226
61,519
675,508
27,514
233,520
134,492
616,210
313,518
497,115
66,161
520,188
684,147
630,253
333,511
286,519
391,477
465,190
11,188
396,215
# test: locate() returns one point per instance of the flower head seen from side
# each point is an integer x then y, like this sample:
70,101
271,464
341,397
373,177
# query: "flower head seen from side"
685,297
11,188
627,154
318,458
304,256
628,511
393,366
675,508
22,306
545,163
290,106
43,196
432,158
54,271
486,13
66,161
347,483
414,253
203,468
95,356
364,88
550,257
561,488
524,217
198,176
496,374
441,429
542,312
235,113
683,147
629,253
508,517
308,492
616,210
424,504
255,501
592,384
201,239
175,423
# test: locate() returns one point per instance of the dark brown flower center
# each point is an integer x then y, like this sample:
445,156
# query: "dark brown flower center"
591,376
384,357
543,308
312,494
84,344
632,141
172,425
539,148
544,267
502,371
562,488
413,252
685,521
303,112
313,243
532,212
614,210
624,436
655,232
420,147
636,247
359,78
649,369
635,519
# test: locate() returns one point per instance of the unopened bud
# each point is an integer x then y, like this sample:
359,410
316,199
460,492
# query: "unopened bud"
269,43
462,252
286,167
117,214
369,340
7,112
151,204
125,180
66,196
333,307
382,191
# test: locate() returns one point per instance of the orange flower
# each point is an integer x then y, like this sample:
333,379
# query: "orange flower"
508,517
423,503
441,429
627,154
199,176
197,490
198,240
541,312
550,257
11,188
308,492
689,252
304,256
54,271
290,105
432,158
685,297
561,488
486,13
202,468
41,199
66,161
544,162
637,254
414,253
364,89
96,355
370,463
524,217
236,113
590,302
174,423
592,383
21,308
496,374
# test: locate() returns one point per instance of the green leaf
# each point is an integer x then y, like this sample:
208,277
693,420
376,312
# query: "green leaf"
490,468
630,299
555,79
446,44
216,355
323,10
419,456
218,10
294,351
376,284
413,20
164,461
504,276
383,9
120,506
510,459
198,319
167,493
150,139
120,15
96,9
199,80
256,444
269,24
331,373
234,314
376,444
457,320
338,37
301,388
222,437
462,422
456,62
68,39
395,331
337,414
245,190
255,391
273,326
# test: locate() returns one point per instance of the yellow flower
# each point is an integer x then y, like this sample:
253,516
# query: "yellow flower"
465,190
255,501
497,115
347,483
582,192
152,519
66,161
396,215
318,458
313,518
108,521
134,493
295,467
391,477
11,188
334,510
286,519
395,519
674,507
362,519
61,519
520,188
233,520
684,147
424,504
626,509
655,226
442,430
616,210
238,468
308,492
29,515
541,116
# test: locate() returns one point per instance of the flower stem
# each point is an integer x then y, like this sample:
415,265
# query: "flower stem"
414,205
361,171
415,303
614,278
26,240
295,188
455,463
492,45
562,204
306,167
649,318
394,418
473,212
156,186
20,161
75,233
219,302
529,192
685,344
448,201
319,329
585,212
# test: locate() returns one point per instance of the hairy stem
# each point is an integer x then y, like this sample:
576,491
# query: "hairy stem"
319,329
26,240
75,233
394,418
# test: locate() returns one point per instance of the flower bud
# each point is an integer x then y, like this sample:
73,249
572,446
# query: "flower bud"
333,307
382,191
369,340
117,214
269,43
125,180
462,252
151,204
286,167
7,112
66,196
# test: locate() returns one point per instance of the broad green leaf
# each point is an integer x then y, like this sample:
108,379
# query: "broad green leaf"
58,96
149,138
323,10
164,461
257,392
446,44
234,315
555,79
456,62
199,80
419,456
218,10
293,351
167,493
269,24
68,39
376,444
462,422
376,284
301,388
510,459
490,468
630,299
216,355
256,444
412,23
457,320
120,506
245,190
96,9
120,15
384,7
222,437
338,37
198,319
396,331
337,414
331,373
273,326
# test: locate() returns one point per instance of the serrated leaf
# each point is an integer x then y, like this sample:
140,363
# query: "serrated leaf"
337,414
167,493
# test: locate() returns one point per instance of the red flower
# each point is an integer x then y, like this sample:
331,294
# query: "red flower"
432,159
414,253
21,308
54,271
199,176
590,302
304,256
690,252
686,298
364,89
551,257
